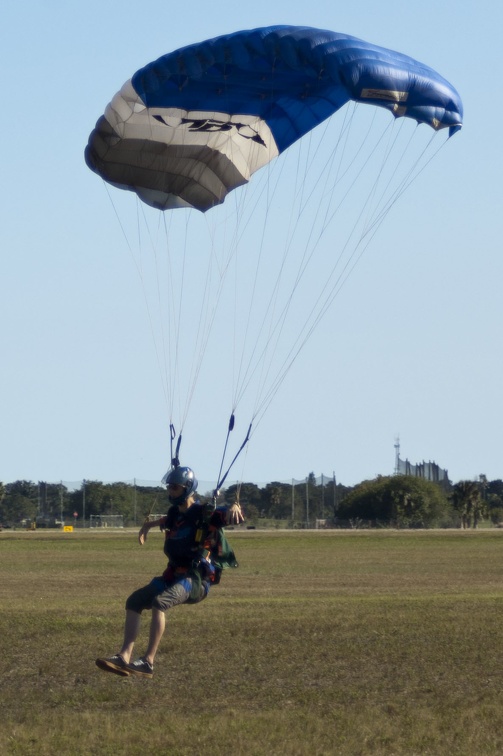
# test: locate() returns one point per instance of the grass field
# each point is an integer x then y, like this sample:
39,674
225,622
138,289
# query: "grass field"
320,643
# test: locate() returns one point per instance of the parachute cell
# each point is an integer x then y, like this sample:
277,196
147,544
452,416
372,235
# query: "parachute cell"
195,124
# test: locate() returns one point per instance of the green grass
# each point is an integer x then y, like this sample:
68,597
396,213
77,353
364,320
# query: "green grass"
320,643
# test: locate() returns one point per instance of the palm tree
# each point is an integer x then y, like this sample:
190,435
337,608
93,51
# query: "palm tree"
467,500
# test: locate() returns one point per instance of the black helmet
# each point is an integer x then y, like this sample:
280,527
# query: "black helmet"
181,476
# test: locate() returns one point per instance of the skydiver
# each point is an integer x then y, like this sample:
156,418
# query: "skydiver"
197,551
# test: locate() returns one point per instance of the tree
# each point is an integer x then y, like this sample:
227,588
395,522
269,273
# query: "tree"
52,499
277,500
313,498
494,508
2,494
468,502
150,501
402,501
496,487
495,501
20,502
134,503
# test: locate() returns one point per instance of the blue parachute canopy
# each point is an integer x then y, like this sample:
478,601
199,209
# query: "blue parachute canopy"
198,122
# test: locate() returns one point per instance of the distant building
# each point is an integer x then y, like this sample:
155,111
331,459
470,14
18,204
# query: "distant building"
426,470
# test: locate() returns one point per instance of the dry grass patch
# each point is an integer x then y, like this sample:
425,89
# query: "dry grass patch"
321,643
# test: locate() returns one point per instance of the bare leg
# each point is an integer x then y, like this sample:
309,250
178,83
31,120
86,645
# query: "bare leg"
131,630
157,626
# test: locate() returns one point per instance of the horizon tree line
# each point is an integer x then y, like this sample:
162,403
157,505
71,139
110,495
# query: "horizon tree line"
386,501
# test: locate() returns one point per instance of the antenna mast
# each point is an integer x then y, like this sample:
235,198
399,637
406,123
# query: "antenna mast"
397,455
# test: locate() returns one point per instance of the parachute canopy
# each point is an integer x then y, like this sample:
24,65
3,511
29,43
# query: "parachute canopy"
195,124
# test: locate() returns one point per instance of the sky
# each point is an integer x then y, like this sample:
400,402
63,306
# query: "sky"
410,349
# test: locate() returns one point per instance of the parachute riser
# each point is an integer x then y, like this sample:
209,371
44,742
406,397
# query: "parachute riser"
222,478
175,458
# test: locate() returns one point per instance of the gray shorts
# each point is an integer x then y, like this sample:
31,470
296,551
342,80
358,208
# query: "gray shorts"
163,596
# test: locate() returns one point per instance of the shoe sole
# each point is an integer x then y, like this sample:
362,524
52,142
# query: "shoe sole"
107,666
135,673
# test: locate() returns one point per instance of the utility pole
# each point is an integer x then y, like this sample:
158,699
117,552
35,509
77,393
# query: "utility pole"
322,514
307,502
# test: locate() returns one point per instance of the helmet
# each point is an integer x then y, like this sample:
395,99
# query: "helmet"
181,476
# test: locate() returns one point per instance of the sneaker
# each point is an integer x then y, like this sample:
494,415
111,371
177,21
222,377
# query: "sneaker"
115,664
140,667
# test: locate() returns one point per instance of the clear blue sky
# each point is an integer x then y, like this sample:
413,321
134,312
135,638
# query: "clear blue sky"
412,346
